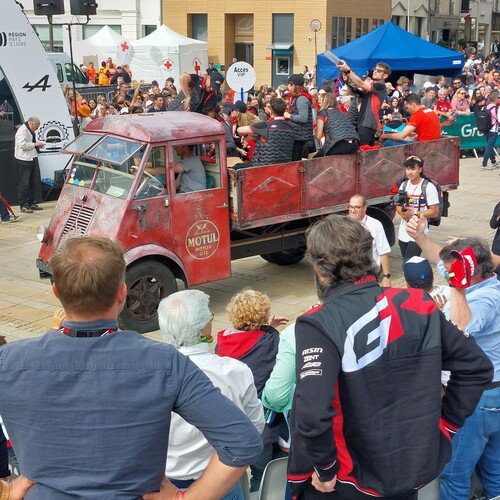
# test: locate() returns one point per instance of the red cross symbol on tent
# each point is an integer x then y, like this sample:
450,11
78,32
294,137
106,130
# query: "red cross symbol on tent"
124,46
196,66
168,64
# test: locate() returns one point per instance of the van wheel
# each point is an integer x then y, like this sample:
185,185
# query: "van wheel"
285,258
147,283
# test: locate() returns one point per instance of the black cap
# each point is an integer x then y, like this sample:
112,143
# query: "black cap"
240,106
216,80
296,79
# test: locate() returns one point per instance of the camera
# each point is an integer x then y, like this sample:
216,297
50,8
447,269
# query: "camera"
401,199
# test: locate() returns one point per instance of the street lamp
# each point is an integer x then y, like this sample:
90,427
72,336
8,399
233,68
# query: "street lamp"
315,26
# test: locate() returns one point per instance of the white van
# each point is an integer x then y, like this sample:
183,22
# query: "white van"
62,67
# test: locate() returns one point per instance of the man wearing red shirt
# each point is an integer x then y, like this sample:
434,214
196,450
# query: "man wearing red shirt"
424,123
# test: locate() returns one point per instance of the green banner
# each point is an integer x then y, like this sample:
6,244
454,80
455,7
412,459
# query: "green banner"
465,128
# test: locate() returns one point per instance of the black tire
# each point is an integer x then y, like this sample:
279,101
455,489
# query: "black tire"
285,258
147,282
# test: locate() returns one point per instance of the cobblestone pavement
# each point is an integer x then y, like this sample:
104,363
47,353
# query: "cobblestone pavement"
27,303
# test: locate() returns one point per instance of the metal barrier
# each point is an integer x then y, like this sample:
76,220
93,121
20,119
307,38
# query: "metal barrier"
108,91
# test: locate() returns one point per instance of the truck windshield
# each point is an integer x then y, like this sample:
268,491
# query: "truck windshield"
103,164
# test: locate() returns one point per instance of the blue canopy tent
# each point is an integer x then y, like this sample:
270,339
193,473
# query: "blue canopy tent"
403,52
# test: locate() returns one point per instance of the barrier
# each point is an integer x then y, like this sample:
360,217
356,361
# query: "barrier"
465,128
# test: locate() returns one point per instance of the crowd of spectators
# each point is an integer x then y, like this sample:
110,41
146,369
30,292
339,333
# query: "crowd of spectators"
307,111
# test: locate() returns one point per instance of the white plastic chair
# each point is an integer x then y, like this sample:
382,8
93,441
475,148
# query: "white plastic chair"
273,485
430,491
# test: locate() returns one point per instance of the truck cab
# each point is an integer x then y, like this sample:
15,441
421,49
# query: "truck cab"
121,184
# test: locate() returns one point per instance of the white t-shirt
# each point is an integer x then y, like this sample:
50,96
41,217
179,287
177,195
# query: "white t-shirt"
417,203
380,244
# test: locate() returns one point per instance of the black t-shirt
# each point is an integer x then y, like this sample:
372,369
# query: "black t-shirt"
370,106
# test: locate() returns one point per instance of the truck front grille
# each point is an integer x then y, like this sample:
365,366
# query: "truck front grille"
77,224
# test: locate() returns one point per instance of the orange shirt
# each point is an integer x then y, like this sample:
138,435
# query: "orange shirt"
91,72
103,76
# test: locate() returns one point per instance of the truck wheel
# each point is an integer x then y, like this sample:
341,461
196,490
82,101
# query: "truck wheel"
285,258
147,282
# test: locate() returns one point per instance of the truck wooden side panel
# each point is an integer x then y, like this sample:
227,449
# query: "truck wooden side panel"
279,193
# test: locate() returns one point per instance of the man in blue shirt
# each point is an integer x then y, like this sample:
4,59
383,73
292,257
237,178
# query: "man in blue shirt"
88,407
475,309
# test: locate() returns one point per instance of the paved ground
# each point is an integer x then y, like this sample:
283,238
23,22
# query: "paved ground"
27,303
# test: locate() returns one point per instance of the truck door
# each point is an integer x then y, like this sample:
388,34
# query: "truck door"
200,211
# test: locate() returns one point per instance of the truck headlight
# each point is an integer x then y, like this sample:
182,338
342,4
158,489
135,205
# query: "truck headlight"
42,234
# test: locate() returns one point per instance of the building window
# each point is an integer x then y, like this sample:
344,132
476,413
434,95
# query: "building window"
282,66
342,30
335,41
148,29
365,26
199,27
358,27
91,29
348,29
42,30
282,28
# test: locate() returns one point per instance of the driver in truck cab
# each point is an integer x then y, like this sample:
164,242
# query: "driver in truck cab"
190,172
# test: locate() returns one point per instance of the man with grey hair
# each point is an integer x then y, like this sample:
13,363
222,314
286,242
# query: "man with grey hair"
186,323
367,412
474,308
25,153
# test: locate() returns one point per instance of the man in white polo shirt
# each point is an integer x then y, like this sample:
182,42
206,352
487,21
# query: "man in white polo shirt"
381,247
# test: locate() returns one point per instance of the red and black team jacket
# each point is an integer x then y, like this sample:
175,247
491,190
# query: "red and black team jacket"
367,405
257,349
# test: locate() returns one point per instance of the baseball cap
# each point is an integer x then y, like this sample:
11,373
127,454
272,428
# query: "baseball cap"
296,79
84,111
418,273
240,106
216,80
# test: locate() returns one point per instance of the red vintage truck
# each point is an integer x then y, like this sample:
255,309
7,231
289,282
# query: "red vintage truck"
193,237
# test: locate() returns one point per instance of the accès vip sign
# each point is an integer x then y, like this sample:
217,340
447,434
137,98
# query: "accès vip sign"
29,84
240,77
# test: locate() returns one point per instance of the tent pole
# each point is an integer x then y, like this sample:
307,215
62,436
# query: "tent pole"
408,19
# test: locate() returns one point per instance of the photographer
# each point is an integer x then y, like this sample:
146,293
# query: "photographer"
411,199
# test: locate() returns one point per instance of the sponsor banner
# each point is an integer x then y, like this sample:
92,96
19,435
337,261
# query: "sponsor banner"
465,128
33,87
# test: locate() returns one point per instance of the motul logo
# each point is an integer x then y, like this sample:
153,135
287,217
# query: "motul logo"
3,39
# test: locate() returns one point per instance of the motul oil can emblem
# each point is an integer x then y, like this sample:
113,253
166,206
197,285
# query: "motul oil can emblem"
202,239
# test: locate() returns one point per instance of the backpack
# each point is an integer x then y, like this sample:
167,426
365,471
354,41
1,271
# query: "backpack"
484,119
433,221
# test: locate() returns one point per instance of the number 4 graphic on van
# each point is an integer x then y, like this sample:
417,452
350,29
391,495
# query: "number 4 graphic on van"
43,84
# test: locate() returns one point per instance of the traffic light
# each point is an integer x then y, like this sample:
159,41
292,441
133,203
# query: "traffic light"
83,7
48,7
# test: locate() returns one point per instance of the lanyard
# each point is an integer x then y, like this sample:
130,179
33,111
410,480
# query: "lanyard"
87,333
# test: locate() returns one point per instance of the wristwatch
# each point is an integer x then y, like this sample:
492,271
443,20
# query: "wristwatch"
386,275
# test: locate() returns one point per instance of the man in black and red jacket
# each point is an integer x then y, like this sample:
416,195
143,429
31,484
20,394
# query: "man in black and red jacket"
367,417
197,94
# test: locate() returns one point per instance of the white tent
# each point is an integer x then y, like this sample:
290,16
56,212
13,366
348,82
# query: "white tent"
165,53
105,43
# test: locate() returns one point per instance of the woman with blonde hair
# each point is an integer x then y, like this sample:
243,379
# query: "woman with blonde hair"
126,68
341,137
253,339
240,117
460,103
